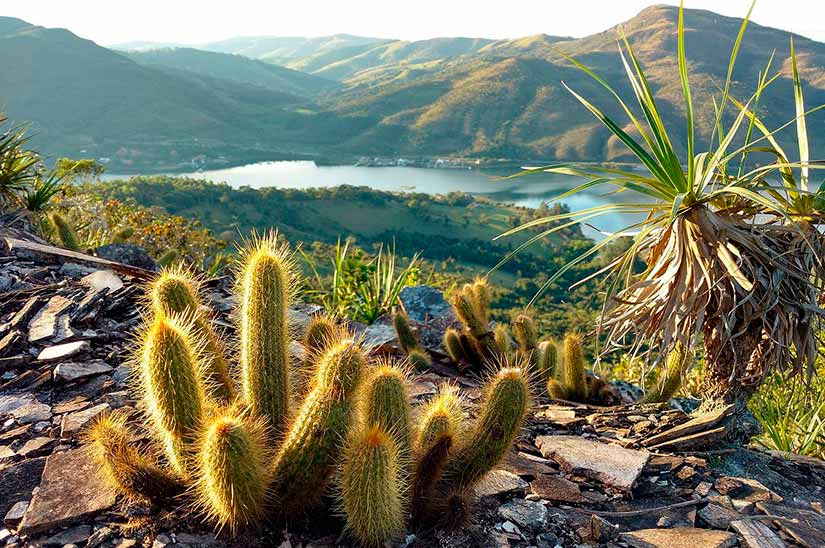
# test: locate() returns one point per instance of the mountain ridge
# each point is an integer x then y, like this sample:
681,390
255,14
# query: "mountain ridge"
448,96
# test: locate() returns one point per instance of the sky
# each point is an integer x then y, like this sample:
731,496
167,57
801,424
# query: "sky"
191,22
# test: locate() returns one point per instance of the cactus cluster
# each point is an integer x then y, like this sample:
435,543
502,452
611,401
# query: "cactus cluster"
475,344
408,340
568,379
271,440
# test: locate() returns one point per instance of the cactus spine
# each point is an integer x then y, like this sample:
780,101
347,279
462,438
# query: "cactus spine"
311,447
265,291
233,471
506,401
386,404
177,292
174,394
65,232
124,466
675,367
574,376
372,489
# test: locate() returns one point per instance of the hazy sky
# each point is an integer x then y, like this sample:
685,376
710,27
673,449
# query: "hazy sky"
190,21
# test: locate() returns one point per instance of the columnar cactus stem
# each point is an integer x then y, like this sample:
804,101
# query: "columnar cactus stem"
386,404
65,232
315,441
675,366
265,291
173,389
233,471
372,487
505,404
126,468
176,291
574,376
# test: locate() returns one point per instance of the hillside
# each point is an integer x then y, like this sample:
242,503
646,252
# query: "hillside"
446,96
508,100
86,100
236,68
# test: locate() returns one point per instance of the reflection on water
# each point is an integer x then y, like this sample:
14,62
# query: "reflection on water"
529,191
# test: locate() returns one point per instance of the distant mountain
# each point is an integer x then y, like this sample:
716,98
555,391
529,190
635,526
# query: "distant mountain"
142,45
86,100
445,96
282,50
236,68
507,99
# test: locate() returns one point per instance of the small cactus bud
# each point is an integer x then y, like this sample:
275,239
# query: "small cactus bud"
406,336
574,375
675,367
65,233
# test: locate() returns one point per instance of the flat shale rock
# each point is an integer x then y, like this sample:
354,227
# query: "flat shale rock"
60,351
424,303
679,538
17,482
499,482
71,372
557,489
756,534
72,423
610,464
804,526
70,490
50,323
524,513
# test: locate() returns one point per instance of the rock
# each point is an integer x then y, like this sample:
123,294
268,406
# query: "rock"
61,351
679,538
378,335
717,516
70,490
423,303
756,535
74,422
804,526
129,254
610,464
121,375
103,279
71,372
51,322
36,447
99,537
18,480
499,482
598,530
186,539
75,535
32,412
527,514
15,514
9,403
745,489
557,489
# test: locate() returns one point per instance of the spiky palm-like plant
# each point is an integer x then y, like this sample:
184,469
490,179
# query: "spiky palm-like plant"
717,270
271,452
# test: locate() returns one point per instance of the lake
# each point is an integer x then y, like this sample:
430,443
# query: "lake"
529,191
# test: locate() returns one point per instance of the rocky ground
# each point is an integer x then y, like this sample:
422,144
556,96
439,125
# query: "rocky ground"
625,476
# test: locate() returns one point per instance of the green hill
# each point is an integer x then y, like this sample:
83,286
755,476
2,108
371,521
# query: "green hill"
86,100
236,68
